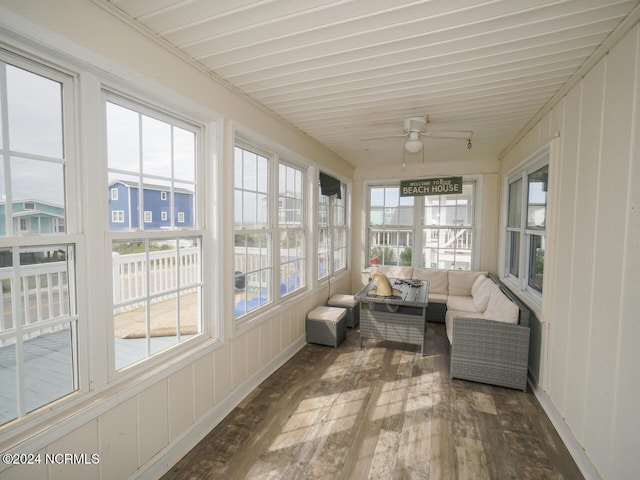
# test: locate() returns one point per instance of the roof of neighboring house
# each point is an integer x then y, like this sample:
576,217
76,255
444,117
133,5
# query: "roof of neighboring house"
150,186
35,202
28,213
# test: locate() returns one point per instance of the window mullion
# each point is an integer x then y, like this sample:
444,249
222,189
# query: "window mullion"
274,225
418,233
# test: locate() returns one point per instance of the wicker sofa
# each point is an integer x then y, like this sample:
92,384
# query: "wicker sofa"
487,325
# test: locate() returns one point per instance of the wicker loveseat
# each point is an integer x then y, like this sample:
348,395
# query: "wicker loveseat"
487,325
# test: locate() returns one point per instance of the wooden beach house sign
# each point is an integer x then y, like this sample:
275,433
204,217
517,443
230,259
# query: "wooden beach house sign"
431,186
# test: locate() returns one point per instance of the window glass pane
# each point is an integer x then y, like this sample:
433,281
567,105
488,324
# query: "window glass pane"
536,262
377,197
376,216
35,203
123,138
464,213
250,209
448,248
184,206
537,198
156,147
290,213
249,170
392,197
34,105
323,211
48,360
290,202
238,165
251,205
42,184
449,245
291,261
323,252
404,216
157,295
515,201
339,211
156,201
340,248
432,210
448,210
252,265
47,322
514,253
38,321
263,174
390,241
184,154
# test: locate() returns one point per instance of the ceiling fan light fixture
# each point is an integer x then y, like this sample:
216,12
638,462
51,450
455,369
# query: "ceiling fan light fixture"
413,146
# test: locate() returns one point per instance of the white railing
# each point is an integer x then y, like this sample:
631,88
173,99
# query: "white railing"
253,263
43,301
44,287
130,275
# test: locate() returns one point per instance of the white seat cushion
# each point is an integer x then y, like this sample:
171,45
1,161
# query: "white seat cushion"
461,303
327,314
342,300
438,297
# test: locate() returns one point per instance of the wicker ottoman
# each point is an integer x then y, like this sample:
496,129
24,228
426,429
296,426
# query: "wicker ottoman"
351,304
326,325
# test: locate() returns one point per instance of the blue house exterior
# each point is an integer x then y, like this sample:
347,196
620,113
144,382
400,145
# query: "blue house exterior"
124,207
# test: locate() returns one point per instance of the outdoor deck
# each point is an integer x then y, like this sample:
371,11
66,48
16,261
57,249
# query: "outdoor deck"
48,359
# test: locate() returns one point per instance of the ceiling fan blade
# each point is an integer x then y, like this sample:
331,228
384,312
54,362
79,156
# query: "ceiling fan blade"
449,134
383,137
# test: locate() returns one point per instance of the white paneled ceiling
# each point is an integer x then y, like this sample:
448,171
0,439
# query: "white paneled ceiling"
346,70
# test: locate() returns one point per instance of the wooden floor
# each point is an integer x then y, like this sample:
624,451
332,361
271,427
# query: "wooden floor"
381,412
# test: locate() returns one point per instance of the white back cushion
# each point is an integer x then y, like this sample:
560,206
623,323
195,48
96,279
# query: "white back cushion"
482,294
438,279
392,271
461,281
500,308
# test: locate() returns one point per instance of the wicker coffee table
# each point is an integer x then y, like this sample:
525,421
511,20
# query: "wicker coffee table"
397,318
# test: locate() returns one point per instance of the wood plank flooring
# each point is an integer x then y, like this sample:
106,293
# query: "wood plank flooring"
381,412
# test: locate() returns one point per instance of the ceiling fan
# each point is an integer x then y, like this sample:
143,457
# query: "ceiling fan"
416,127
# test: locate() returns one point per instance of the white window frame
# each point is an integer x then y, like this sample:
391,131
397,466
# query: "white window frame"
332,230
117,216
272,230
13,242
114,194
288,227
416,231
144,107
84,230
520,283
148,216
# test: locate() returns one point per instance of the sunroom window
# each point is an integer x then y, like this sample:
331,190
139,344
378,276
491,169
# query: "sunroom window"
39,321
156,258
434,231
525,241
